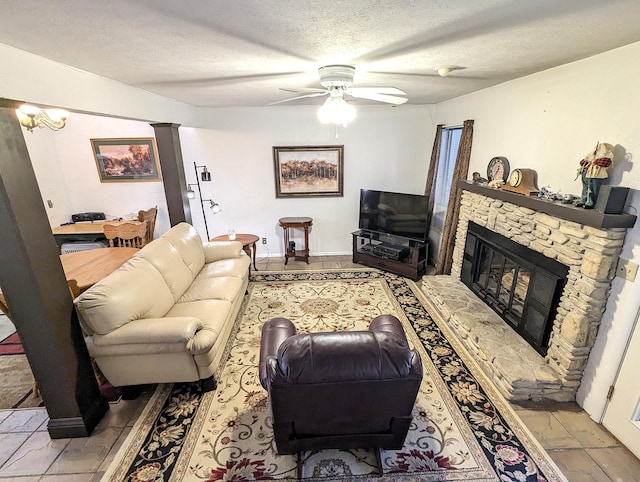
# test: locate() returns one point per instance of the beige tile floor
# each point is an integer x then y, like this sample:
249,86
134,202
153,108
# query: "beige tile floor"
584,450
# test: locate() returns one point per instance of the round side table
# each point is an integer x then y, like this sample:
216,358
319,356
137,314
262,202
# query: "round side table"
304,223
248,244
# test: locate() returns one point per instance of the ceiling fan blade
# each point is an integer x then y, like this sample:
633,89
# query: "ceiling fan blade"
304,89
379,90
389,99
299,97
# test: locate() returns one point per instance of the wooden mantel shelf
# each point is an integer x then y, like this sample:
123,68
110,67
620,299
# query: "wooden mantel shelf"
587,217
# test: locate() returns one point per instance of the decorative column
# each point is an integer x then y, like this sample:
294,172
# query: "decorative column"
173,177
34,285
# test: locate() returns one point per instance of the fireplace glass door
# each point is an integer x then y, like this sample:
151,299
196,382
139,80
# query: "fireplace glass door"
521,285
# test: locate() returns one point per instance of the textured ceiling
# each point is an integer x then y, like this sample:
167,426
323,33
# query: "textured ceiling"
239,52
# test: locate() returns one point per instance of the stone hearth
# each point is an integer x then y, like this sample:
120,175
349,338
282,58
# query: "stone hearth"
591,253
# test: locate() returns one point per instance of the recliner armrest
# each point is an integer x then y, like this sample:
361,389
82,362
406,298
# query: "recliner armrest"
274,332
218,250
387,324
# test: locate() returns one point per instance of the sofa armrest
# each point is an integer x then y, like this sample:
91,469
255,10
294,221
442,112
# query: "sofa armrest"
217,250
152,330
274,332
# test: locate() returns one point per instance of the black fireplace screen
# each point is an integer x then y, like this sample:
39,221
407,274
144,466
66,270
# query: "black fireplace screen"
521,285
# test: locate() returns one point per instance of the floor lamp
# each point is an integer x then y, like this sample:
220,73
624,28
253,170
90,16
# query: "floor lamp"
205,176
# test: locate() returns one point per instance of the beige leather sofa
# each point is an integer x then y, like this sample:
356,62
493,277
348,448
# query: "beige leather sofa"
166,314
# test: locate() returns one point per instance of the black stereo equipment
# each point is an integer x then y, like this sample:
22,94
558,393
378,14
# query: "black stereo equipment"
389,251
611,199
76,218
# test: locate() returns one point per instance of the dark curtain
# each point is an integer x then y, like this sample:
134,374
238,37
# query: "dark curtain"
430,188
461,170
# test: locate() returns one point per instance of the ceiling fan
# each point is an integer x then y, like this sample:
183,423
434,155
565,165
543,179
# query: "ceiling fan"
337,81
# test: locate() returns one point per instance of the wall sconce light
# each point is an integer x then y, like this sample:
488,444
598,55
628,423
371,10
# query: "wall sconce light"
31,117
205,176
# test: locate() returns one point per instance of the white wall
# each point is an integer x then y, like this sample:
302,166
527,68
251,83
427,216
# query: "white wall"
67,174
549,121
384,148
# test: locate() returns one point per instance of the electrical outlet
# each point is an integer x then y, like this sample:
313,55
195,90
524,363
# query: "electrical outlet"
264,240
626,269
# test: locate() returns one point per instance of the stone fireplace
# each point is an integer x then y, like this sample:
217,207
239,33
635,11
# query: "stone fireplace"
586,242
521,285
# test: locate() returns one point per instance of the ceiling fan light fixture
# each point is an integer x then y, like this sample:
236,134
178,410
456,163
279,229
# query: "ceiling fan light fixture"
335,110
336,75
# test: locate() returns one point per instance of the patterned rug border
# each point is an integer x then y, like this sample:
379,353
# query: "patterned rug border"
133,443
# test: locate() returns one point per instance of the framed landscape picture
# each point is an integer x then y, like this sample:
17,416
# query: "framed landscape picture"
308,171
120,160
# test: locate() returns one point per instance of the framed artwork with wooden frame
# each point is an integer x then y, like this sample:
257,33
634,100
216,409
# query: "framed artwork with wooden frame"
121,160
309,171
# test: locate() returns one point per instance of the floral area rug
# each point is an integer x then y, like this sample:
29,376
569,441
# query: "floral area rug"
462,428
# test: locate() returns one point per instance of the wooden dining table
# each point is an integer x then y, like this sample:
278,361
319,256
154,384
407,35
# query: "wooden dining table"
83,269
89,267
95,227
84,232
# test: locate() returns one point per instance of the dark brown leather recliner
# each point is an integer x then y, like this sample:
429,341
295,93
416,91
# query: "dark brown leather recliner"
350,389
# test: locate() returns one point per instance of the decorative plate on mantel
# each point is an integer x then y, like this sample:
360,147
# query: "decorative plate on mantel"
498,168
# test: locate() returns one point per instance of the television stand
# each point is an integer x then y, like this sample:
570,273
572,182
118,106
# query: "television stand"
398,255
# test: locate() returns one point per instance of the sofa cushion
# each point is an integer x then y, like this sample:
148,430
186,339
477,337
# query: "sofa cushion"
167,260
136,290
238,267
219,288
184,238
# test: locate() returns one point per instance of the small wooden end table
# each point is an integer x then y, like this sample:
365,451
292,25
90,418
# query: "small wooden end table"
304,223
248,244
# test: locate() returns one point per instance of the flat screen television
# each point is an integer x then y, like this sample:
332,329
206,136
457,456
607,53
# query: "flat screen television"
394,213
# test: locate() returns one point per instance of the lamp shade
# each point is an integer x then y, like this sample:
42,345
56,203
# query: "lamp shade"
205,175
336,110
215,207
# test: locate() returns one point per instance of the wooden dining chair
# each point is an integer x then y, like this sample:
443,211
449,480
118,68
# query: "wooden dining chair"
150,217
126,235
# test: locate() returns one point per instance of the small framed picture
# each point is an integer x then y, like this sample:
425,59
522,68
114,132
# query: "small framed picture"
308,171
121,160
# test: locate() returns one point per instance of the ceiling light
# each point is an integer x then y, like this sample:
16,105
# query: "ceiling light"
31,117
444,71
335,110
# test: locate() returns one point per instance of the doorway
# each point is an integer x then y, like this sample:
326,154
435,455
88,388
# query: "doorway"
622,414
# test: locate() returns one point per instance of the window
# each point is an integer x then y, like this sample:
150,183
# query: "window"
444,176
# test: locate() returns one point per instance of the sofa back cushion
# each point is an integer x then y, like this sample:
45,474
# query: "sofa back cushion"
136,290
167,260
186,240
